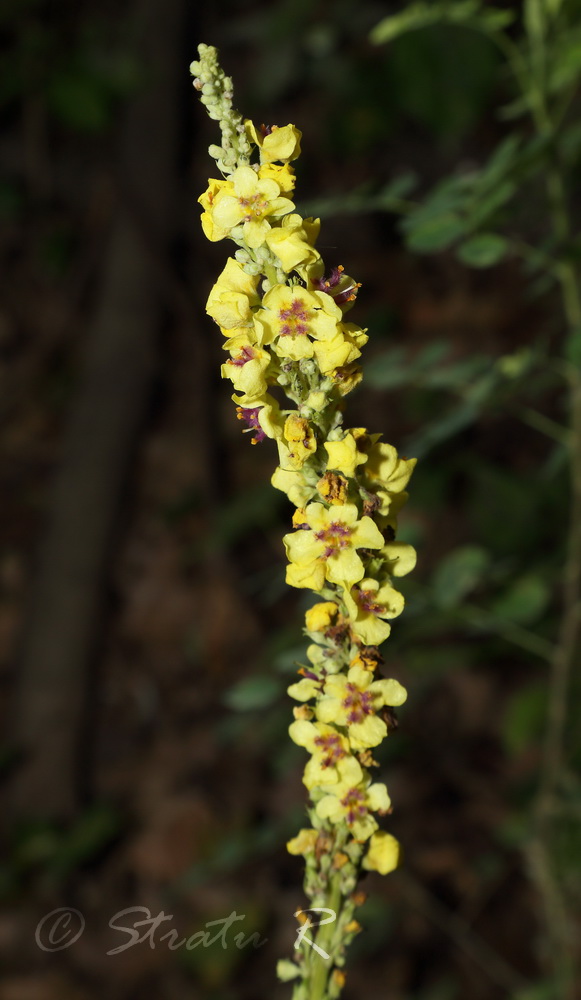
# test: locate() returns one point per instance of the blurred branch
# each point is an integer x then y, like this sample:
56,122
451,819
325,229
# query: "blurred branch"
58,647
516,634
541,853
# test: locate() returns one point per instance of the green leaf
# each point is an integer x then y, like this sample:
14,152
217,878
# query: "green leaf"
397,189
483,250
566,59
439,221
524,717
393,368
540,991
388,370
534,18
417,15
459,574
253,692
435,234
440,430
525,600
573,347
455,376
500,163
421,15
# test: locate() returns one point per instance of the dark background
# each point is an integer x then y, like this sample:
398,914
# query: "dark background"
146,633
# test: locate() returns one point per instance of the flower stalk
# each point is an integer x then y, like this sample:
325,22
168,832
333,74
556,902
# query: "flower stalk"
292,360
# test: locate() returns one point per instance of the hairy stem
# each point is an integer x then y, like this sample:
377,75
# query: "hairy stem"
322,967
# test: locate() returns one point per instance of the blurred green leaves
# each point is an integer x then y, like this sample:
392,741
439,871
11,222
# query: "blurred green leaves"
467,13
79,76
254,692
483,250
44,850
458,574
83,94
524,717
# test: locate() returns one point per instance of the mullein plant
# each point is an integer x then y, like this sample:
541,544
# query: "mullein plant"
283,315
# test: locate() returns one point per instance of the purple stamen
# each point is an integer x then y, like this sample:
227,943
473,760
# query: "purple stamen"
250,417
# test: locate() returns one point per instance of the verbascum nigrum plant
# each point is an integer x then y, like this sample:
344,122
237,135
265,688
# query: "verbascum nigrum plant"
283,314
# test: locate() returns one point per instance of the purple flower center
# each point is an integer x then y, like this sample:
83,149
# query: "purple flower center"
357,703
331,748
365,600
255,206
336,537
245,354
354,803
294,319
250,417
327,283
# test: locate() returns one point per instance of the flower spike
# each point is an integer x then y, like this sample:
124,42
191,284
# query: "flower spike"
282,315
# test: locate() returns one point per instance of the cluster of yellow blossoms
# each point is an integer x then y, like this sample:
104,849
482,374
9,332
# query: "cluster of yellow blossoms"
283,319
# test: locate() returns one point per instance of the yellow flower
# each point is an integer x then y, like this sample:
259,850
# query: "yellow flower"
384,853
367,604
400,558
333,354
276,142
353,701
292,318
333,488
316,400
347,378
303,843
298,517
338,284
231,300
328,549
352,800
324,664
321,616
207,200
301,440
305,689
299,486
393,504
327,747
250,202
344,455
387,474
247,366
293,242
261,415
367,657
355,335
281,173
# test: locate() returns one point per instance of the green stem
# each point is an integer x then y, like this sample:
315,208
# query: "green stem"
564,655
322,967
553,430
510,630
